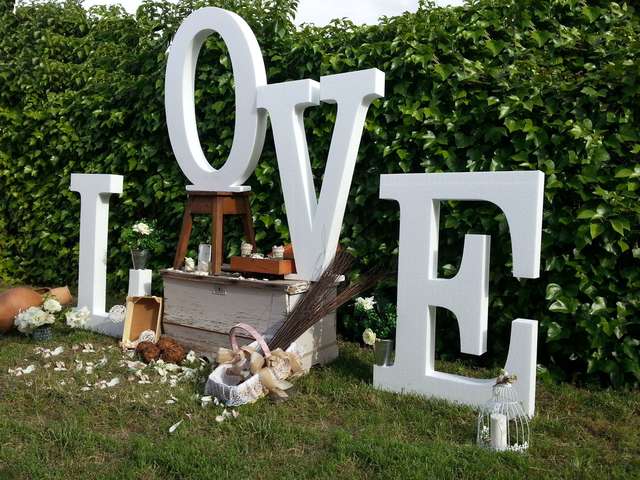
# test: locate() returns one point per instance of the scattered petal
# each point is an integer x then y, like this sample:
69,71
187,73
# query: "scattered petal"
173,427
113,382
57,351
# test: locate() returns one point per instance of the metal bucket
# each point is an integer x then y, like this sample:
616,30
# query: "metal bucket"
383,352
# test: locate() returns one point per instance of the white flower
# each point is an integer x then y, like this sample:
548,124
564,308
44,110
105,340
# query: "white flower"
32,318
142,228
366,304
117,313
369,336
77,317
52,305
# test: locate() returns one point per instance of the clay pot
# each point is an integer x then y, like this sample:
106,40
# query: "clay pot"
62,294
13,301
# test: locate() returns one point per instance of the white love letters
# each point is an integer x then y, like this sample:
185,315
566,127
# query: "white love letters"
519,195
314,223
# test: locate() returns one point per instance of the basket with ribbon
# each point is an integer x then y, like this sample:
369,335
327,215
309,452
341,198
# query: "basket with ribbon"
247,373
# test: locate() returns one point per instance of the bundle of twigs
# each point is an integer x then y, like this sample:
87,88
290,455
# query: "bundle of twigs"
321,299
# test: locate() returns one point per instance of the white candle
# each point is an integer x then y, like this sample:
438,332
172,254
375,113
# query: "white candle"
498,432
277,252
246,249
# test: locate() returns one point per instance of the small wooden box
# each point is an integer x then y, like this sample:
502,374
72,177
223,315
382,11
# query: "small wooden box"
200,310
267,266
143,313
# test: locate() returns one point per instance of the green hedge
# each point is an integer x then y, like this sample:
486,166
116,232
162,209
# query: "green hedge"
494,85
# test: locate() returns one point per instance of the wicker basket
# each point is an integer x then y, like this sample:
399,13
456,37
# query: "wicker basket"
227,388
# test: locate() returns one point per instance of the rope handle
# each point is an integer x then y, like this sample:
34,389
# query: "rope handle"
251,331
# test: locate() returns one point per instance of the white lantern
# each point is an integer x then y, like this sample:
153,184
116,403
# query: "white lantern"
502,423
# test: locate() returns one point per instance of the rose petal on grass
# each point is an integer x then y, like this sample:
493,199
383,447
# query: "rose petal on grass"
113,382
173,427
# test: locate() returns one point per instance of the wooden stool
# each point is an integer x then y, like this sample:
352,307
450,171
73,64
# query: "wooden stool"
216,204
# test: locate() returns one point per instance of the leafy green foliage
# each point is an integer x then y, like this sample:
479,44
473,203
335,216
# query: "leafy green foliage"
381,318
494,85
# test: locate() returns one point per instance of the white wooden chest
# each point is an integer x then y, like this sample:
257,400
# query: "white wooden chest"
200,310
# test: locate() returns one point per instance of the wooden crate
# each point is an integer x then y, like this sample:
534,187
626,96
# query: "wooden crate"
200,310
143,313
267,266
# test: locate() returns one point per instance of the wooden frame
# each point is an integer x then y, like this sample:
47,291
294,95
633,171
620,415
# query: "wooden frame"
143,313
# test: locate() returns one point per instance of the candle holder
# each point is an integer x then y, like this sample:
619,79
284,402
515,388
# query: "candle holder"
277,252
502,422
246,249
204,257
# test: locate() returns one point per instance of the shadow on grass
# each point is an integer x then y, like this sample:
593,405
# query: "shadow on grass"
353,362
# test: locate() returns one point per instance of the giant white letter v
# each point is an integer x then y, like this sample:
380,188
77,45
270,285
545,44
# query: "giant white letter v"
315,224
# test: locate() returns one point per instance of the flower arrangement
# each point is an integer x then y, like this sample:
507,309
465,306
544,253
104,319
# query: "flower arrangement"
77,317
378,318
142,235
33,318
37,321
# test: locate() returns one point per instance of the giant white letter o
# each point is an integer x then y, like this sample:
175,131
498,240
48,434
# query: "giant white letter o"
249,74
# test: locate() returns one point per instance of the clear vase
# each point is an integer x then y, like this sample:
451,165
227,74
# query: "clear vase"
383,352
139,259
42,334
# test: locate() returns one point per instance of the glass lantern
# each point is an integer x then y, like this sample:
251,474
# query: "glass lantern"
502,423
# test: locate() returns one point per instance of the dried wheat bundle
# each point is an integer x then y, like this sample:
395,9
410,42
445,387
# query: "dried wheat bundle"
321,299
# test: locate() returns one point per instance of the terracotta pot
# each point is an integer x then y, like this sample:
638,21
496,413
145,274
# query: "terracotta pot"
13,301
62,294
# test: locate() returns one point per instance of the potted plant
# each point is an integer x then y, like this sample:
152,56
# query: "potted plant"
380,322
141,237
38,321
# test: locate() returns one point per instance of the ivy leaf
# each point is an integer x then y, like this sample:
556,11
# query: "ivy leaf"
598,306
596,229
620,225
495,46
553,290
554,331
559,307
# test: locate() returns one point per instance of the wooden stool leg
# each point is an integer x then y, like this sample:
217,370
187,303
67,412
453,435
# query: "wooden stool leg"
247,223
217,220
183,241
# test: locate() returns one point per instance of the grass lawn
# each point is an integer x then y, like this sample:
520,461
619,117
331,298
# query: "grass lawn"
335,425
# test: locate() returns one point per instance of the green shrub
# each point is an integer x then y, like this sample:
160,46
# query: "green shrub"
494,85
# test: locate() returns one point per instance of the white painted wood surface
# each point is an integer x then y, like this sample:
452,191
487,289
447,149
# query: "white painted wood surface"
200,310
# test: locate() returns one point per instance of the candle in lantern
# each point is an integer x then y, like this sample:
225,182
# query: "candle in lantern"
498,431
